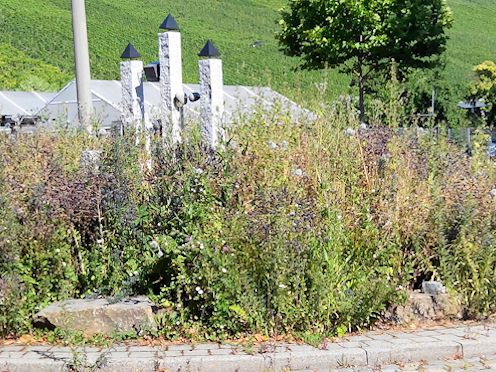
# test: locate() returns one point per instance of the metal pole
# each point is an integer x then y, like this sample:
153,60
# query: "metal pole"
469,140
433,102
82,60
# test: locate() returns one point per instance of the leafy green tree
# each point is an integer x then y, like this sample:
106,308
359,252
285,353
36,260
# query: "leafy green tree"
362,37
485,88
419,86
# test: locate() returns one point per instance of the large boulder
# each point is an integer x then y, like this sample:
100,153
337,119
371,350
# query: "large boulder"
99,316
422,307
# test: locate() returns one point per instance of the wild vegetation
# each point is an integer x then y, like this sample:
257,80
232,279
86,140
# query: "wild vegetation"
18,71
309,227
288,228
363,38
42,31
484,88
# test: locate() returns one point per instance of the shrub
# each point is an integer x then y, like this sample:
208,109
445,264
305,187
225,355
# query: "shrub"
287,228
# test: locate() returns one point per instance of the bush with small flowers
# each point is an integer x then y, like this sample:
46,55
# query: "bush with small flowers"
285,228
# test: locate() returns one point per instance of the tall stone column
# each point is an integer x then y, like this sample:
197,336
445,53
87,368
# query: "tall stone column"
133,100
171,78
212,94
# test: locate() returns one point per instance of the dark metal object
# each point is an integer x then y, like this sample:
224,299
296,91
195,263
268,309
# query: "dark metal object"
193,97
130,52
152,72
472,105
10,120
209,50
169,24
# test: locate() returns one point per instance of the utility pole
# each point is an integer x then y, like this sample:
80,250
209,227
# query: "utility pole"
82,61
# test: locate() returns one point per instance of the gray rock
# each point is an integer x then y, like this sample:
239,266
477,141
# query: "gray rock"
99,316
433,288
422,306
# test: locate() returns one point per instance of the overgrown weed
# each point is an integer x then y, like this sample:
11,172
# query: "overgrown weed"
312,227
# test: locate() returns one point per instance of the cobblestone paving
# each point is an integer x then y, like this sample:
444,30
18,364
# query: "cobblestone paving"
458,365
456,348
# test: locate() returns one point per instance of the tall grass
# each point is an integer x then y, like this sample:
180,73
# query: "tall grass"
287,228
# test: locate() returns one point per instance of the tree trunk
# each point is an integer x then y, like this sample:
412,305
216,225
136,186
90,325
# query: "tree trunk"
361,90
361,98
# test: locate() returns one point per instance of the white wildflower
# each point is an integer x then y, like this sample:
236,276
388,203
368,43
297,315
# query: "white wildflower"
224,270
202,246
282,286
198,171
272,145
298,172
350,132
199,290
57,250
154,244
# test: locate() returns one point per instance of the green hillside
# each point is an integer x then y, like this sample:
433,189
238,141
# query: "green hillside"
41,31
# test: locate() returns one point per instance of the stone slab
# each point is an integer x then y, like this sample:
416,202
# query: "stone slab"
25,365
217,363
99,316
333,358
478,348
413,352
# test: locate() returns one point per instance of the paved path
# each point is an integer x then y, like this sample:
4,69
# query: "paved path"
462,347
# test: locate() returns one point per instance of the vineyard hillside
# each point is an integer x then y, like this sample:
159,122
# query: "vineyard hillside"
36,41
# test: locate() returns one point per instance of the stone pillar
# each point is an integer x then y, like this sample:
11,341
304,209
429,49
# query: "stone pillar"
212,94
171,78
133,100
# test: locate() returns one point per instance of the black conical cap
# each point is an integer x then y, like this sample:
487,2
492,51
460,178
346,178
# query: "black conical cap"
209,50
169,24
130,52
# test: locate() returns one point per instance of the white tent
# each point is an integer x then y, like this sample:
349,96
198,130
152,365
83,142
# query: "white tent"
51,110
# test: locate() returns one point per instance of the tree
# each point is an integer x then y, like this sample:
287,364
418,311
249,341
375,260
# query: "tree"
419,87
485,88
364,36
